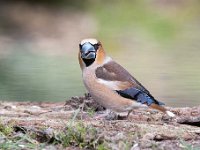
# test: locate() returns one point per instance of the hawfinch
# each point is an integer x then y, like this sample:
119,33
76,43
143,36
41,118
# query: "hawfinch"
110,84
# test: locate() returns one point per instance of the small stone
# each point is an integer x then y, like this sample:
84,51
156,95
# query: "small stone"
35,107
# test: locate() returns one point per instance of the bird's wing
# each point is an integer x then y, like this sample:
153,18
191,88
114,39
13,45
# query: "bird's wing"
118,79
113,72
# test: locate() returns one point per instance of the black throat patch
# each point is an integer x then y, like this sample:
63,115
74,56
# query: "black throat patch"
88,62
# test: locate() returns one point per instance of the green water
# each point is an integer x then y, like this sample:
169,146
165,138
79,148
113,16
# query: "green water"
39,78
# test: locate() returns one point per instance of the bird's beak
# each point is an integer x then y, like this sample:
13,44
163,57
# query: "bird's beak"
87,51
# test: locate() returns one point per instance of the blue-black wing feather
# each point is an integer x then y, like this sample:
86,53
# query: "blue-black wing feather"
139,96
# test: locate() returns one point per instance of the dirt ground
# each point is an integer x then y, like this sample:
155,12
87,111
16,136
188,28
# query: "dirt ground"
78,123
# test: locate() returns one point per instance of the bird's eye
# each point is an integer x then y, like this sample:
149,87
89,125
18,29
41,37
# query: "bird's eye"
96,46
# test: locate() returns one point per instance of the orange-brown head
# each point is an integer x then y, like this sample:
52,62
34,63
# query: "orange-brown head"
90,51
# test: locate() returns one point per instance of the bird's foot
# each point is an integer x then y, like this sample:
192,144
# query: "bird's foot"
110,116
116,116
102,114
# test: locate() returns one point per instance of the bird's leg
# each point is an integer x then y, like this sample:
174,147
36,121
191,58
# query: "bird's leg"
128,113
103,114
119,117
111,116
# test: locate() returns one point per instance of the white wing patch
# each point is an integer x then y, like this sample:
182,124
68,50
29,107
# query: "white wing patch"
113,85
92,41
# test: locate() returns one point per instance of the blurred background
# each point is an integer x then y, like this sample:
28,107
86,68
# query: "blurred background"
158,41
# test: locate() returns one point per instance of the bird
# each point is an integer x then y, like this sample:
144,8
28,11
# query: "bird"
110,84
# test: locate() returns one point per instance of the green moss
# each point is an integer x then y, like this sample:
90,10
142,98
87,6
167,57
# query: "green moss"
5,129
187,146
81,136
91,111
101,147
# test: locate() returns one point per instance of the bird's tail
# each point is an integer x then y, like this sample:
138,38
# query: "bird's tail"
163,109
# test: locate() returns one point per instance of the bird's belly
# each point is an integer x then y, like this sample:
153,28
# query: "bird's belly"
107,97
108,103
